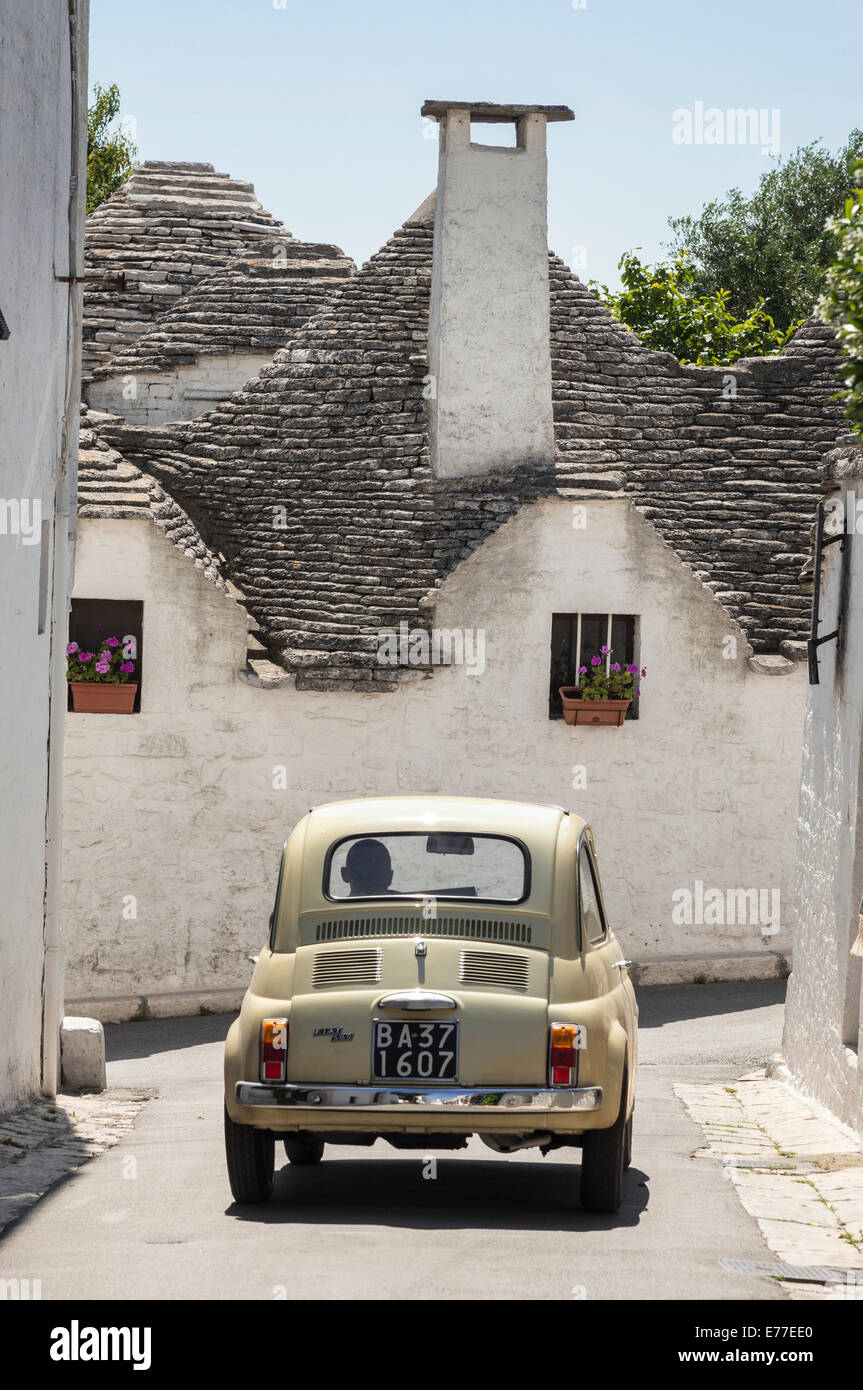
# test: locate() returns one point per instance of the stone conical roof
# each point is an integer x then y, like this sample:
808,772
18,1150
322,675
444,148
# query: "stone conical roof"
723,461
167,227
111,487
253,305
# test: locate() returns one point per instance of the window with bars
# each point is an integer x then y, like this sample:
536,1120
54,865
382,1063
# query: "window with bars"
575,638
91,620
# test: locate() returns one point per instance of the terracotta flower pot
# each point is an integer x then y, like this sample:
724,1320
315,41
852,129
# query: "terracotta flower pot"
578,711
92,697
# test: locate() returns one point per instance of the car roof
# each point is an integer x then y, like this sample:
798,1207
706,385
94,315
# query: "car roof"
477,814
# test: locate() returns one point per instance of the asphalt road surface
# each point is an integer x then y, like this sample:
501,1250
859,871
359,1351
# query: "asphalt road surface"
367,1224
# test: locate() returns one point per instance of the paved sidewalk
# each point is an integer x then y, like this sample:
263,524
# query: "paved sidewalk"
42,1142
797,1171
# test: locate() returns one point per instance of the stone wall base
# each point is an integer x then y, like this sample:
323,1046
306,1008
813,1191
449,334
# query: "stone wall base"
707,968
135,1008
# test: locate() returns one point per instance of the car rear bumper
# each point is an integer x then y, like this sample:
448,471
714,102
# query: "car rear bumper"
397,1099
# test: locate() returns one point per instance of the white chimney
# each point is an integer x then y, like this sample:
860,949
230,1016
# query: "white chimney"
489,350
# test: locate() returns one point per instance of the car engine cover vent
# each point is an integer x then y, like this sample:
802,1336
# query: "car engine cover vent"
493,968
480,929
347,968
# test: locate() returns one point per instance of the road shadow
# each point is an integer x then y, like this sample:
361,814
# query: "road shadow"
44,1153
146,1038
465,1194
660,1004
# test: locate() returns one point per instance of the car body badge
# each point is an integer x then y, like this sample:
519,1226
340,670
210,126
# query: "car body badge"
335,1034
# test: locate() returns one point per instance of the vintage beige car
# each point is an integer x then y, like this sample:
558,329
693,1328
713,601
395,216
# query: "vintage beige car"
437,967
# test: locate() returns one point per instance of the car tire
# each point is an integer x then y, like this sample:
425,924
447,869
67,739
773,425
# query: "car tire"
603,1158
627,1145
251,1157
303,1151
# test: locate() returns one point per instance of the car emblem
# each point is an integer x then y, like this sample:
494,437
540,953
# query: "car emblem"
334,1034
420,947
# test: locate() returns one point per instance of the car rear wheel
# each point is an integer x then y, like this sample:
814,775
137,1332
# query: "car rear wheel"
303,1151
251,1156
603,1159
627,1147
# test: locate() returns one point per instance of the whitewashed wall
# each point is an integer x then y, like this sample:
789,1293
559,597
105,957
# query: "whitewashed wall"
35,165
154,398
822,1018
176,806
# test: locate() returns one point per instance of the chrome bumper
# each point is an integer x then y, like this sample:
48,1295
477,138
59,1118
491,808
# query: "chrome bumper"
517,1100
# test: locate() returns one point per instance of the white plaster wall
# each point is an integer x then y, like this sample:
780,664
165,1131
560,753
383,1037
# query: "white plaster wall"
489,350
155,398
177,806
822,1035
701,786
35,148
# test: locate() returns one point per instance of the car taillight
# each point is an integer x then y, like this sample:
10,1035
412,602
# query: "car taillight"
563,1054
274,1049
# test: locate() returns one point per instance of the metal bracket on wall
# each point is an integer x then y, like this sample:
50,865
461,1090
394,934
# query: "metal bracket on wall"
814,640
107,282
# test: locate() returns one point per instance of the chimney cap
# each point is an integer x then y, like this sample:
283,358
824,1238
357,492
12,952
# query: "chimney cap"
495,111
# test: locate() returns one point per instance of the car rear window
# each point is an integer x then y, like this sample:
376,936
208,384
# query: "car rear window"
481,868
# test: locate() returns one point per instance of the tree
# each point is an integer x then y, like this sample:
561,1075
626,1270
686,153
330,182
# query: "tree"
773,245
663,306
842,301
110,153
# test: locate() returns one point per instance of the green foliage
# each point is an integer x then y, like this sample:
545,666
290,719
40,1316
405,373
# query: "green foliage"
773,246
110,153
662,304
842,302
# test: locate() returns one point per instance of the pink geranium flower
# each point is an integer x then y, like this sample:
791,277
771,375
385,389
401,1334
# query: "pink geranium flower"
598,682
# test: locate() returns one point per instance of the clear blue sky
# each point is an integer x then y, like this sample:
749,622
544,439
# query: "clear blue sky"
318,102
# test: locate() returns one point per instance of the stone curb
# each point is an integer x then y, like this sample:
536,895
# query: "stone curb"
711,968
138,1008
795,1169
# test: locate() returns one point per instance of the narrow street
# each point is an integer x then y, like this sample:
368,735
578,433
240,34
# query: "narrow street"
153,1217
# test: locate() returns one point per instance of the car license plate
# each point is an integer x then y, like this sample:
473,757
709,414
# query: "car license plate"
414,1051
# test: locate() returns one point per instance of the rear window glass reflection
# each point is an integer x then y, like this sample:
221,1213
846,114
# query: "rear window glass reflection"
486,868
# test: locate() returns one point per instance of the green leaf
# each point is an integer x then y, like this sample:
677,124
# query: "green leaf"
110,152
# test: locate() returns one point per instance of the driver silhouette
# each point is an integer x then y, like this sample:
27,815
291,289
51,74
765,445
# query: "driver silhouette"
368,869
